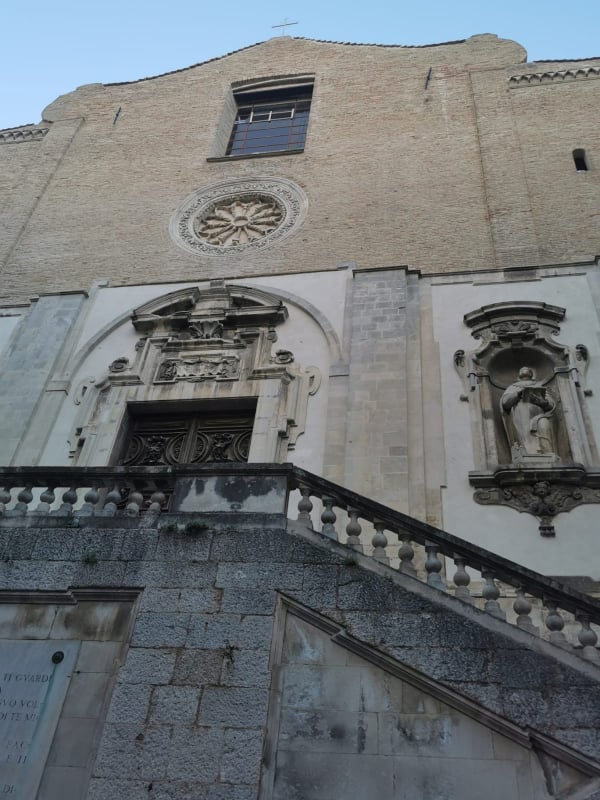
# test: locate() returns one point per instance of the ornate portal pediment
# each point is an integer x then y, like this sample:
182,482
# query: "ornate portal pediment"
206,347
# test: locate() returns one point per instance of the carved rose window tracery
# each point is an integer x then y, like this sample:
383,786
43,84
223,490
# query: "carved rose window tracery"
239,221
235,214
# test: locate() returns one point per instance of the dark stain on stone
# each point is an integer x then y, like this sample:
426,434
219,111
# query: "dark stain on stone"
337,732
237,490
361,738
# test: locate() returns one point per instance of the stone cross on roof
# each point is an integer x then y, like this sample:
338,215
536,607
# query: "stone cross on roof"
285,24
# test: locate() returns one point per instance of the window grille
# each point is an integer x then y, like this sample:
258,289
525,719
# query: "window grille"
270,122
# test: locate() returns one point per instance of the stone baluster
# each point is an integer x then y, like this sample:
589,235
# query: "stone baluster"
111,501
157,501
90,501
433,567
328,518
24,497
587,638
69,499
47,499
4,499
406,555
462,579
135,503
354,530
555,624
490,594
305,507
522,608
379,542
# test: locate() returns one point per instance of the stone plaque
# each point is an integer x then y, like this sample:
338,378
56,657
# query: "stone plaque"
34,677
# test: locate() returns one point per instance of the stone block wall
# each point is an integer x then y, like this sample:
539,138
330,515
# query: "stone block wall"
377,424
26,365
195,708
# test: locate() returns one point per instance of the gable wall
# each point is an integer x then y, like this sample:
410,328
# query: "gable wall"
462,173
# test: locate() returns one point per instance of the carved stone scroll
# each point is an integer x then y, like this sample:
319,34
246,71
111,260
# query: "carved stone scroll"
543,493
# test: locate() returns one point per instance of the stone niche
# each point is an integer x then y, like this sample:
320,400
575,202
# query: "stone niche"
535,449
211,352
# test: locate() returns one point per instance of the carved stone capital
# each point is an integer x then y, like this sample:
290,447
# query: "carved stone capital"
543,493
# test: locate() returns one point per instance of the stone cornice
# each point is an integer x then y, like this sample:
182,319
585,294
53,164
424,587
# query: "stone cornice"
560,76
23,135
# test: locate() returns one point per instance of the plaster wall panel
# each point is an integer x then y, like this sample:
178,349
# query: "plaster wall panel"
27,363
8,326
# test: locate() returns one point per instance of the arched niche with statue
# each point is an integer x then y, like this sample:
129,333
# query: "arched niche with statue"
534,446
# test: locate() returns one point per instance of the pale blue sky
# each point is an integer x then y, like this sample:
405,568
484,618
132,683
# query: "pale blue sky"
49,47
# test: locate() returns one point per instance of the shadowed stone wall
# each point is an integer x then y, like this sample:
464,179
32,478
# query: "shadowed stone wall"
198,689
26,365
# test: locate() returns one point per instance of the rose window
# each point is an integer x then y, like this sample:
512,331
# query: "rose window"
238,214
238,221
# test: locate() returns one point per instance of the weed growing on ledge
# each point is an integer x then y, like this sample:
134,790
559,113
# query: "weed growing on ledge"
194,528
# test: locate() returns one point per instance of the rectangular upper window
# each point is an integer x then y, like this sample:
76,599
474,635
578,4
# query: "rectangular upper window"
270,121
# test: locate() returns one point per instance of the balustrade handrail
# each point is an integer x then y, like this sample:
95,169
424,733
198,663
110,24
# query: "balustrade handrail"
164,477
476,557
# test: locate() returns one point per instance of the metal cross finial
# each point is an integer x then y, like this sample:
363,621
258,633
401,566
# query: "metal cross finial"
285,24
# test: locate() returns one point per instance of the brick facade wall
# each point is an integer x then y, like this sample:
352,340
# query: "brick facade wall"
461,173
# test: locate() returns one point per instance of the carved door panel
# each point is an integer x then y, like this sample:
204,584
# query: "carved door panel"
187,439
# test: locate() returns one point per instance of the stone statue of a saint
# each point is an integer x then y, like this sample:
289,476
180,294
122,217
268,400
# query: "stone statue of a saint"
527,410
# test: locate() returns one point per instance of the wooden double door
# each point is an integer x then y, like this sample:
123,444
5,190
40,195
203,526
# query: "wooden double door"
187,438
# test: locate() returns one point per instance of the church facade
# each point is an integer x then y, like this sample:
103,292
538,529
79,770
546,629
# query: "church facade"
378,263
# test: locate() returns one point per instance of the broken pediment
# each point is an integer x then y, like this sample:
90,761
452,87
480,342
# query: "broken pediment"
217,312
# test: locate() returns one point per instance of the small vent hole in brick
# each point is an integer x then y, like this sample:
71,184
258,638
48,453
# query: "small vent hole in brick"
581,164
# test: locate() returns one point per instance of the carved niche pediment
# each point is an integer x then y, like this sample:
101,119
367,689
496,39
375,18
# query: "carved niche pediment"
526,390
514,323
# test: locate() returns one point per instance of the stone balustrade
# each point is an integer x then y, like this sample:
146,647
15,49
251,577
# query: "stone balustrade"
530,589
30,493
94,491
